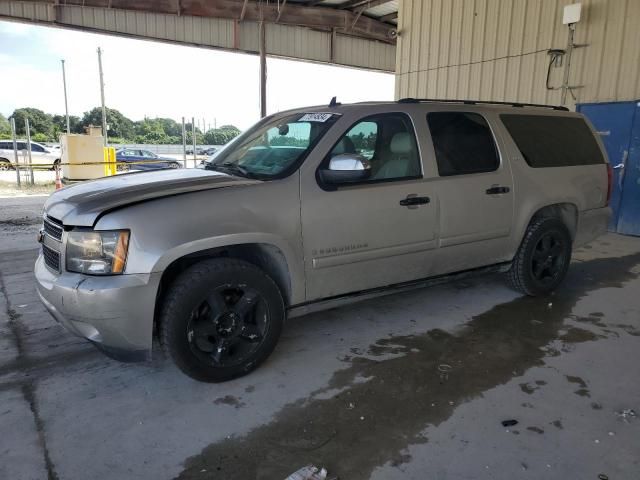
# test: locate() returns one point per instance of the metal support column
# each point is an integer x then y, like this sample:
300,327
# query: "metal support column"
263,71
27,129
15,150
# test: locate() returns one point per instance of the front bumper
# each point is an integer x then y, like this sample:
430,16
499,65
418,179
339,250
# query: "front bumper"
115,313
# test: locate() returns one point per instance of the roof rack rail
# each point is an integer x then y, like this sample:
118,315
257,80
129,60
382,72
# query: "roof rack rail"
481,102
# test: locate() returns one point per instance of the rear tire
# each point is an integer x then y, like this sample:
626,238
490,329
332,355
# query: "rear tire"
5,165
543,258
220,319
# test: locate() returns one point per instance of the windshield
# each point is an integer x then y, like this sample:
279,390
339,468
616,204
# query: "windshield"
271,148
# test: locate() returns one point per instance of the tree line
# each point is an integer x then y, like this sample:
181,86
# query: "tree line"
46,127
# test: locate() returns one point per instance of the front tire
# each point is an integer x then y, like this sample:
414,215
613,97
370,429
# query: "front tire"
221,318
543,258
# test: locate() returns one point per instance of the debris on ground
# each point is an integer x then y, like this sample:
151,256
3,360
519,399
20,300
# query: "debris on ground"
509,423
310,472
443,371
602,476
627,414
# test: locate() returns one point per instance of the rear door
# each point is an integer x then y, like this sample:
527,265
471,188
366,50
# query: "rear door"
39,156
474,190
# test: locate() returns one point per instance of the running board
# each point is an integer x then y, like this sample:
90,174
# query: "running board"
341,300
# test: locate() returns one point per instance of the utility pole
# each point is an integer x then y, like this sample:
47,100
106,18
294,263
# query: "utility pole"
104,110
193,134
66,106
184,143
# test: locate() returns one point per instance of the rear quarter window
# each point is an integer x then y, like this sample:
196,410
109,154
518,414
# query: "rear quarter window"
553,141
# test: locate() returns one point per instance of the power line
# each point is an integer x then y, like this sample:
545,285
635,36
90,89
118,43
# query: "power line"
475,63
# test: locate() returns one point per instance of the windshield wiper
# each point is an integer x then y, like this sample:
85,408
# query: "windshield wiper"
229,167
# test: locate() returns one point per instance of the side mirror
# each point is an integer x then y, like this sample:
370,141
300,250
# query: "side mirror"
346,168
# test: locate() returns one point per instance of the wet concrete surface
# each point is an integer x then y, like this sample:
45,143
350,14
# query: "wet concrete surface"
407,386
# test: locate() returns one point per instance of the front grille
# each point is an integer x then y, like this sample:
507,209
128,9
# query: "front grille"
51,258
53,228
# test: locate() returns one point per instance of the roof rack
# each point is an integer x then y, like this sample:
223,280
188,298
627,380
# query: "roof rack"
481,102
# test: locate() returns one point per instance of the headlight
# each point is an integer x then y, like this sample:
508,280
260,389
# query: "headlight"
97,253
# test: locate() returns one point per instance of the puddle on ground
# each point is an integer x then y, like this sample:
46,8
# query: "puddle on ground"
371,423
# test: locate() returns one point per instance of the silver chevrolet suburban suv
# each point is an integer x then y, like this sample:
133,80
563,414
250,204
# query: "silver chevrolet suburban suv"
313,208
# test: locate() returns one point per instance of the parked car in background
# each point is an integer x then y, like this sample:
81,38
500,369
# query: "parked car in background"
40,155
199,151
313,208
138,159
209,151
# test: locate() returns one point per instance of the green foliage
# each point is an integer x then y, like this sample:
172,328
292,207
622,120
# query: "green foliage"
60,125
121,129
362,142
222,135
39,122
117,124
284,141
5,127
39,137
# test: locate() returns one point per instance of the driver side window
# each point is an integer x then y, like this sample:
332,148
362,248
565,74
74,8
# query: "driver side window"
388,142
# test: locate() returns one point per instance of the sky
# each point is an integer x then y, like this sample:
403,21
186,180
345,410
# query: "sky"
152,79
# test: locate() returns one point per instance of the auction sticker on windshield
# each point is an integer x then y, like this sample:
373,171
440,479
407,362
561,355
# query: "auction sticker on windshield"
315,117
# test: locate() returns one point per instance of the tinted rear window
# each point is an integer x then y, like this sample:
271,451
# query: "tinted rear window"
463,143
549,141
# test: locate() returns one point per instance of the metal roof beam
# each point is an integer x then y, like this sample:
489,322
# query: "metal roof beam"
367,4
389,16
294,14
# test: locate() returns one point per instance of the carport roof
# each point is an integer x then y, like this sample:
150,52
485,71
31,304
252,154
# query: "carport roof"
369,19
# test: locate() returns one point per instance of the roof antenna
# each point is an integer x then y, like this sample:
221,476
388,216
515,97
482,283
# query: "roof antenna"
334,102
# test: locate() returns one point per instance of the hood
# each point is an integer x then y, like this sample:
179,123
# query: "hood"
82,204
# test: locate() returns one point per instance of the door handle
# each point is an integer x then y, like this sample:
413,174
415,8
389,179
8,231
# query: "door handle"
413,201
497,190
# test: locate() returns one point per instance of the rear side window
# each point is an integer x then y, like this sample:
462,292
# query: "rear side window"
550,141
463,143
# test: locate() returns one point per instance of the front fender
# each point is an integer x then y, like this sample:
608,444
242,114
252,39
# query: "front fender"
295,267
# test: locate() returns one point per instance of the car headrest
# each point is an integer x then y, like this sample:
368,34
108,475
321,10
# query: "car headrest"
401,143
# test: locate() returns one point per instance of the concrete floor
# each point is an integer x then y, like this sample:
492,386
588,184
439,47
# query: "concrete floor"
356,389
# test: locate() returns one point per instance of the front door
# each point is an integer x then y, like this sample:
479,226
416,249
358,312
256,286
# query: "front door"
618,124
379,232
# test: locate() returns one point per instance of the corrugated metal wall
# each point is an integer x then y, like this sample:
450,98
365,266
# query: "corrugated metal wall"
497,50
282,40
